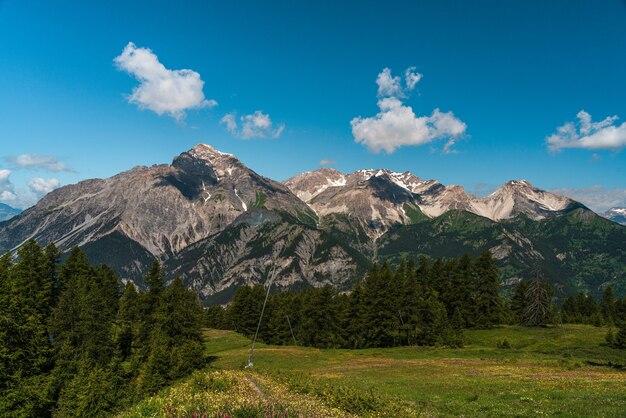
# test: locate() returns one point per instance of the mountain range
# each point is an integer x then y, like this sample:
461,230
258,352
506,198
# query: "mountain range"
220,225
616,215
7,212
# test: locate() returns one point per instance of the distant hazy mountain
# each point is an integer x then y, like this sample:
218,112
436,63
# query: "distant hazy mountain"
7,212
616,215
220,225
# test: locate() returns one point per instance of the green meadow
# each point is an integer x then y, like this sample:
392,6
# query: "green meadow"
555,371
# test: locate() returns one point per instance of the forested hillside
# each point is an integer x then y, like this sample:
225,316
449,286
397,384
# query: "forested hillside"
74,344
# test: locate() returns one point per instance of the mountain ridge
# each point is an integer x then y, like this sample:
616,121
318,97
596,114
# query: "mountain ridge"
220,225
7,212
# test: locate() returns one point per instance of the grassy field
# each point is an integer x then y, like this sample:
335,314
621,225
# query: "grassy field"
561,371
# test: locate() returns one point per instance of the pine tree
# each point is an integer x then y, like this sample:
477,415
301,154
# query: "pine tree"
488,303
175,346
53,256
319,326
378,308
128,318
608,305
245,309
519,302
216,317
31,278
538,309
25,356
620,337
91,393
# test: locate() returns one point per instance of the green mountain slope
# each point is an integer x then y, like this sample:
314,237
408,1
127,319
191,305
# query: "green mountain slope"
579,251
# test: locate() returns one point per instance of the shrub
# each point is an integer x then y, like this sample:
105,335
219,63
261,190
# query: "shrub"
504,344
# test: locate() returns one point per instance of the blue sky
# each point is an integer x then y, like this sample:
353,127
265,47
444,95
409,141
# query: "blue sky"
507,73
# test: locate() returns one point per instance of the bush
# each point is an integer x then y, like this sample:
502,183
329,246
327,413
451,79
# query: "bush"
504,344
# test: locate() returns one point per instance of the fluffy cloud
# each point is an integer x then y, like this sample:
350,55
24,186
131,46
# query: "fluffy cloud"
40,186
391,86
598,198
42,162
327,163
254,125
588,134
7,190
21,198
396,124
161,90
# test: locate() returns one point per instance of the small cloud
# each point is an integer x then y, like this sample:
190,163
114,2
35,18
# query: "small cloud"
40,186
38,162
17,198
7,190
587,134
327,163
254,125
396,125
162,90
392,86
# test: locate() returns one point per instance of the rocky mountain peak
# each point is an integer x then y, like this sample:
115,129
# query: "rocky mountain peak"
207,152
518,184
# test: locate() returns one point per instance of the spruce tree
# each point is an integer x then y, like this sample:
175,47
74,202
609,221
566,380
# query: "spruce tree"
608,305
487,300
128,317
379,309
175,342
25,356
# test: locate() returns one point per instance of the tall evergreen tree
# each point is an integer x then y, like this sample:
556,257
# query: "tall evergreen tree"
128,317
175,347
25,356
609,305
487,303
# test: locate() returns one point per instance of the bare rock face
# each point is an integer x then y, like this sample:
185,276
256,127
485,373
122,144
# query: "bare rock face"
520,197
220,225
164,208
379,197
261,245
151,212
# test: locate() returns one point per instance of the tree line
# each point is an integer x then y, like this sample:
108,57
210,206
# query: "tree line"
73,342
423,303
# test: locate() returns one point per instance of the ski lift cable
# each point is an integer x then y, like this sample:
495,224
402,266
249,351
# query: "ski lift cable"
272,276
291,329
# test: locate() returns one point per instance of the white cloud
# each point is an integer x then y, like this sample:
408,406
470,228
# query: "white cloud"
327,163
21,198
598,198
397,125
161,90
43,162
411,78
7,190
391,86
254,125
587,134
40,186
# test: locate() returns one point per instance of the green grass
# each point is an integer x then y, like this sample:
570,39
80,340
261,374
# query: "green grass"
546,371
260,200
414,213
555,371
